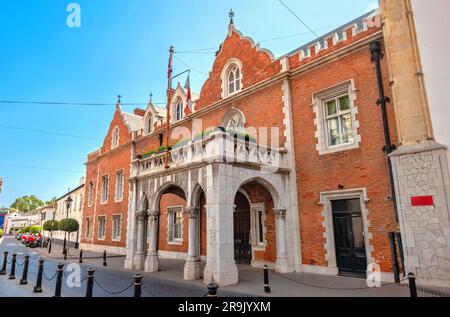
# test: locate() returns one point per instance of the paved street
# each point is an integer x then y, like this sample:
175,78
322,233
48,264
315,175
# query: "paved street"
169,283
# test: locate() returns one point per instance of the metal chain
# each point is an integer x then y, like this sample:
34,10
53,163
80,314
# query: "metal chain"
113,292
332,288
20,264
52,278
8,262
146,289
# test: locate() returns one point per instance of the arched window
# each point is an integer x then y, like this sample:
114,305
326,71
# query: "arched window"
115,138
233,79
149,124
234,120
178,109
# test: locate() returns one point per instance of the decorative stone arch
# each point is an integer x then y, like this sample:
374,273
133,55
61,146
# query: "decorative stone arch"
144,203
265,184
115,137
233,112
224,76
195,195
179,95
163,190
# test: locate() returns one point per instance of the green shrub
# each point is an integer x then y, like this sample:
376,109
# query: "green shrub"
51,225
68,225
35,229
1,233
25,230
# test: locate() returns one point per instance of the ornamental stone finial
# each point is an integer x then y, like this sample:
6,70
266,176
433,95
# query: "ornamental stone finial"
231,15
193,212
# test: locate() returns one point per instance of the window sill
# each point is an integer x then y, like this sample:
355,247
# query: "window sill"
118,200
101,239
178,243
103,202
116,240
340,148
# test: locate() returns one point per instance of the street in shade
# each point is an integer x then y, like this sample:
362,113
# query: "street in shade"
109,282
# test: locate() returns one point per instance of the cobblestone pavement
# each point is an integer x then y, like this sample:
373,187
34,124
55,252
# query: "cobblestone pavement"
116,281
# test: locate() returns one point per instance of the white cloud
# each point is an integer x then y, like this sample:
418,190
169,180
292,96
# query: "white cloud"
372,6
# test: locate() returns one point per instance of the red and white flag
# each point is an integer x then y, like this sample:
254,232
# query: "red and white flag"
187,86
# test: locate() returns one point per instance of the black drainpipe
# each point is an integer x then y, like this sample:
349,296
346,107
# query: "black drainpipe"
377,55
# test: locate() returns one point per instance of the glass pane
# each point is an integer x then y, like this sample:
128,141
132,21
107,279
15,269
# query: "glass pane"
333,132
331,108
358,232
231,88
260,227
231,76
347,128
344,103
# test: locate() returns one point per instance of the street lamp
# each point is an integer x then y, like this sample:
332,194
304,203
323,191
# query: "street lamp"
68,204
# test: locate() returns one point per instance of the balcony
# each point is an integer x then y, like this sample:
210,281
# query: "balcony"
218,147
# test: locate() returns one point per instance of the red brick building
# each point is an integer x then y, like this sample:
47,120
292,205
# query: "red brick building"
278,161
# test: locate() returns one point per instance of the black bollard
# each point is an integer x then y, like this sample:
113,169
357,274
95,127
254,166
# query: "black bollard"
90,282
65,254
137,285
212,289
50,247
38,287
5,261
81,256
59,275
412,285
12,274
266,279
24,281
104,258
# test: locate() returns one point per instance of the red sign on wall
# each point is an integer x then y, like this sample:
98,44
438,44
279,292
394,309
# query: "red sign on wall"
417,201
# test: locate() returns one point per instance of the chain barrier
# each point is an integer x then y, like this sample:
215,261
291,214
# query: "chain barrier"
113,292
20,264
50,279
147,290
334,288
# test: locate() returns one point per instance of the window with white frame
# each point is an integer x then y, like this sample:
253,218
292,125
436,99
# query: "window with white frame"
87,230
175,220
336,124
105,188
178,109
233,79
101,227
115,138
258,214
260,227
338,121
90,193
149,124
117,227
235,121
119,186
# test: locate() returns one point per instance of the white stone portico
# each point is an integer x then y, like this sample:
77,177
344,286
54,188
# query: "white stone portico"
218,167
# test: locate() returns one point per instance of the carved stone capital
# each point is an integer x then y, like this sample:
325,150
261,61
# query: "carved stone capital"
280,213
153,215
141,215
193,212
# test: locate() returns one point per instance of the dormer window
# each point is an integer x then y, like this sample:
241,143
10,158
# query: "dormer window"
234,79
178,109
149,126
115,138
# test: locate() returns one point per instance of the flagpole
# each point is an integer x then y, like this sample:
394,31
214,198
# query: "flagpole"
169,100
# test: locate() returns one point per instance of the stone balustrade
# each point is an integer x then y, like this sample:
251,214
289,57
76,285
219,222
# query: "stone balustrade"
217,147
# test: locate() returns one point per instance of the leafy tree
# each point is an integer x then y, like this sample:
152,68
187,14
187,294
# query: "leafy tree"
25,229
51,225
68,225
35,229
27,203
49,202
1,233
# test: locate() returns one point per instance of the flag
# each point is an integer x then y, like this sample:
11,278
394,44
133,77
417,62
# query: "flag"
187,86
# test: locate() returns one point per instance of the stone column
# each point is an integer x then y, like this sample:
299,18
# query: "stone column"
281,264
192,266
131,225
220,265
139,257
152,261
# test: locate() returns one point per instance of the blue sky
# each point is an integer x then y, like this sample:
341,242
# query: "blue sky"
120,48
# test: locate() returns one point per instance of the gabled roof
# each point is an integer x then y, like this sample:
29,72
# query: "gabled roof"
133,121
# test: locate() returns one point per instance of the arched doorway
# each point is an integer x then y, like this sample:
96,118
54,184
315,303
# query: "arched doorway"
242,227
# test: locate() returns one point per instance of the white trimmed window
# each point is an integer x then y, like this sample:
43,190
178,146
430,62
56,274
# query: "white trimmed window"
87,230
178,115
117,227
234,79
105,188
90,193
336,124
236,122
101,227
231,78
175,220
258,224
149,124
115,138
118,196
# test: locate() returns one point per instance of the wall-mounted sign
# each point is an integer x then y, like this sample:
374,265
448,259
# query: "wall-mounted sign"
417,201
